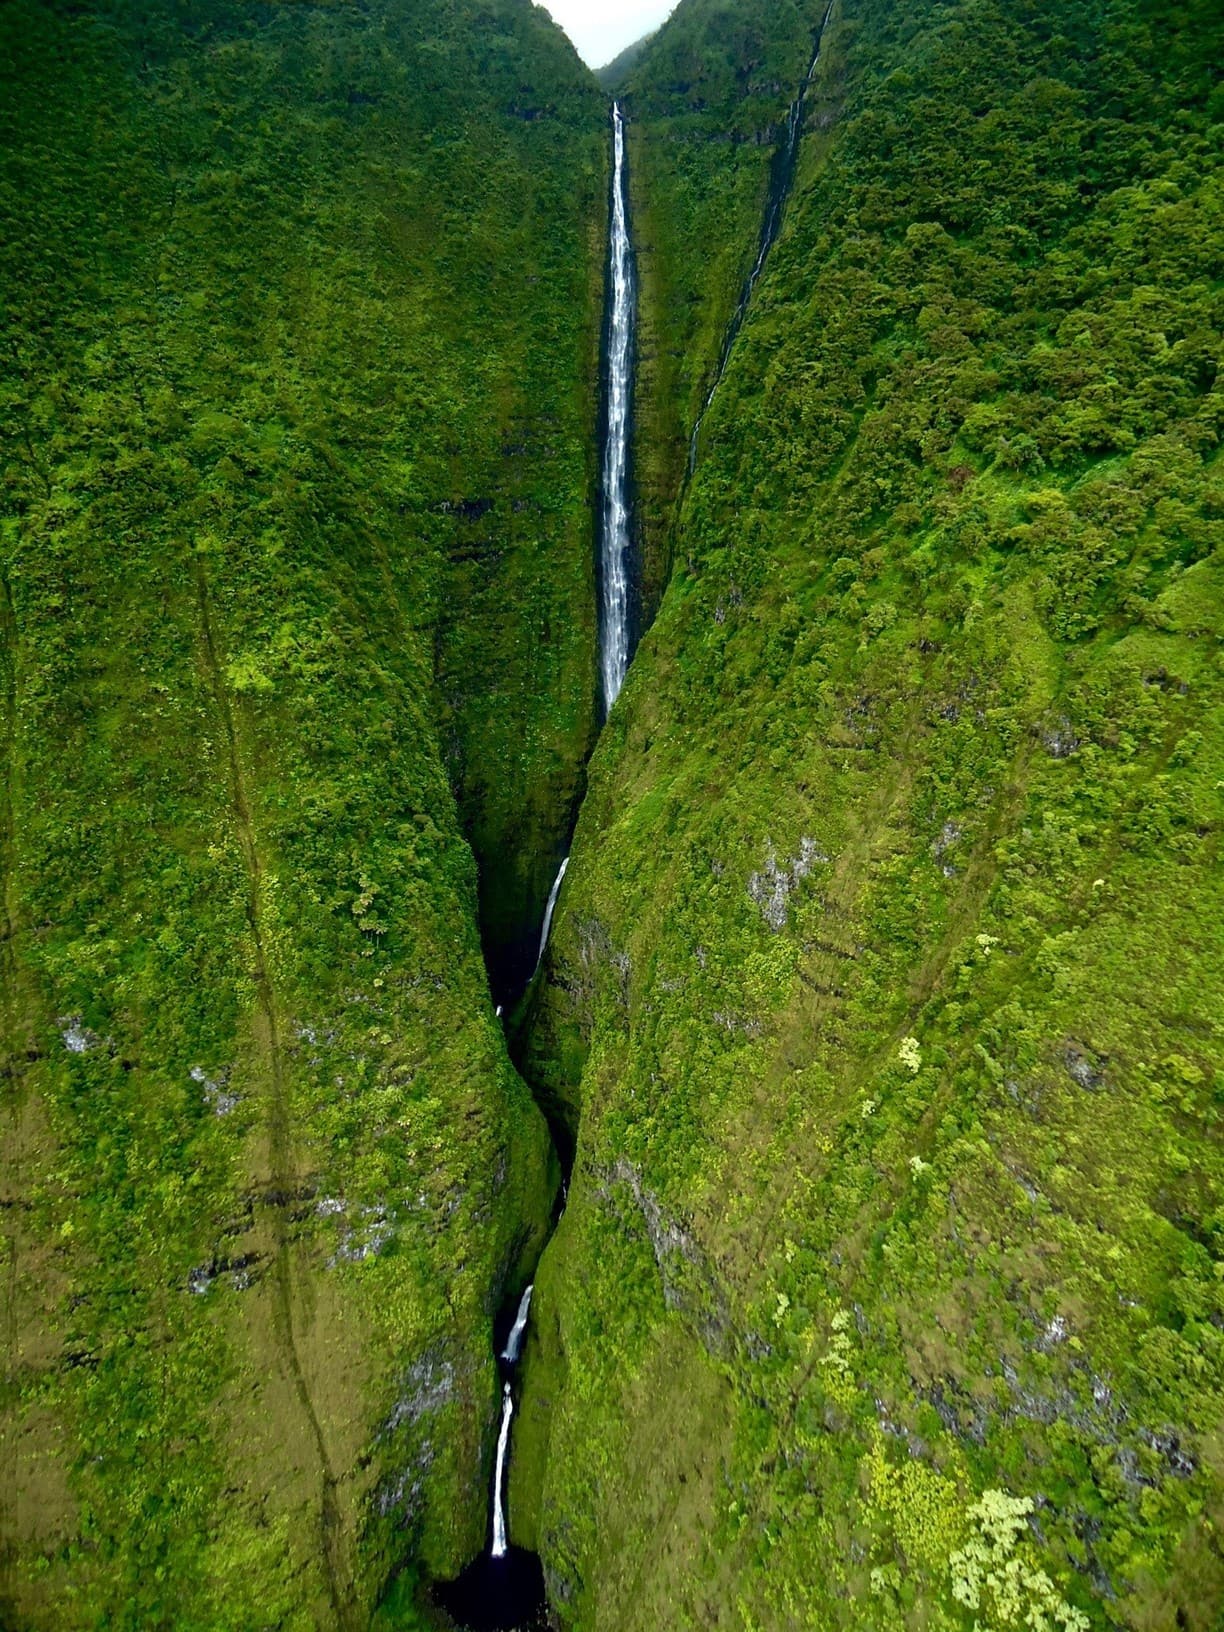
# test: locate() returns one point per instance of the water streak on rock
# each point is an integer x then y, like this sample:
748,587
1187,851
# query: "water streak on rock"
785,159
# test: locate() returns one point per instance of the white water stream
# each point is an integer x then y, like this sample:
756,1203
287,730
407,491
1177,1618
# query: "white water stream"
614,536
499,1477
614,540
514,1343
614,638
549,910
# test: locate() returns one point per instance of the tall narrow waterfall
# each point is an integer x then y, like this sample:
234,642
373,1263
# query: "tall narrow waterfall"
614,563
514,1343
503,1589
786,156
549,910
499,1476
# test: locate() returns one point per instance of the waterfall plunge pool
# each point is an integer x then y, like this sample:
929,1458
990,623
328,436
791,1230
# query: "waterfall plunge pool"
503,1589
498,1594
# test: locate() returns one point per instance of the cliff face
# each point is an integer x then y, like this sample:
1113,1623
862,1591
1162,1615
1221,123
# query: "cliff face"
883,995
884,991
705,99
300,304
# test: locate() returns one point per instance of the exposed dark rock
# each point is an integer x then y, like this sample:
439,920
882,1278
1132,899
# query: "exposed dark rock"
771,888
1083,1066
690,1285
1059,740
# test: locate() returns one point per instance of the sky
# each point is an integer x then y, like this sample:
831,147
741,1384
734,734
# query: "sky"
601,29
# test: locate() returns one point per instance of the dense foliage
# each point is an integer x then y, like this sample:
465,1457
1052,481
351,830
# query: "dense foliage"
885,988
706,96
300,312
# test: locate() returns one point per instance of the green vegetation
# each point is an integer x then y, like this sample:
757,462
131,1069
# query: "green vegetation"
300,312
883,1000
885,988
705,99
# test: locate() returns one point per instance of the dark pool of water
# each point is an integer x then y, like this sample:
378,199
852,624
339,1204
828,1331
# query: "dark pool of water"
498,1594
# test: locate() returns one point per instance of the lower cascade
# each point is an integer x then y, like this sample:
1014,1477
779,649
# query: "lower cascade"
548,912
503,1589
498,1547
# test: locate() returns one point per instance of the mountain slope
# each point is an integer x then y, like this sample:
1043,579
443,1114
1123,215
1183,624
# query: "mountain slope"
705,99
884,989
611,76
267,1170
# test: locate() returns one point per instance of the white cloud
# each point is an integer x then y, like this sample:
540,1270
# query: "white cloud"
601,29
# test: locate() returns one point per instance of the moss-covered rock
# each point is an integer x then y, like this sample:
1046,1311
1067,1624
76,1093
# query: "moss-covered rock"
888,969
300,303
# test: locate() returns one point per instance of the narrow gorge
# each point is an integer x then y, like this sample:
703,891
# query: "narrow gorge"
611,760
504,1588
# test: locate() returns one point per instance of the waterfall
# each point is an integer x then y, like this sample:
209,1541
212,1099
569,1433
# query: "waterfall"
785,158
549,910
514,1343
614,510
504,1586
617,420
499,1478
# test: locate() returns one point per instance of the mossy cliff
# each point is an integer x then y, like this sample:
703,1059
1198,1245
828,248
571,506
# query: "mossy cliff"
300,306
705,98
885,986
883,999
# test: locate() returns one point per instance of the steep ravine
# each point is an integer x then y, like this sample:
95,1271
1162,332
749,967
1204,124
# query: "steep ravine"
861,954
504,1588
